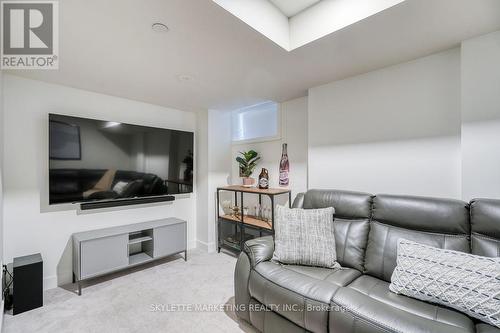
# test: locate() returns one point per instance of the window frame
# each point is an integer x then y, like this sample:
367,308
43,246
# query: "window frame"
278,136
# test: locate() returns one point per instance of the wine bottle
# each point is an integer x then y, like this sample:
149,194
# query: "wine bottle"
284,167
264,179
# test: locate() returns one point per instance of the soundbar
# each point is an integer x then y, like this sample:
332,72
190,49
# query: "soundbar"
124,202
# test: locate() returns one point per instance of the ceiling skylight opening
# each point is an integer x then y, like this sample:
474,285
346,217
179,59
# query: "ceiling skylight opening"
293,7
294,23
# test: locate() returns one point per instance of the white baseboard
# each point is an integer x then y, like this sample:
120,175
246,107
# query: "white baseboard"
207,247
192,244
50,282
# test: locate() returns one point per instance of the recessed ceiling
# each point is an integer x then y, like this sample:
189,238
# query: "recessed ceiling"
231,64
293,7
310,21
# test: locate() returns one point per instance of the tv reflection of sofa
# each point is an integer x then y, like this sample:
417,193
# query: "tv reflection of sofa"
69,185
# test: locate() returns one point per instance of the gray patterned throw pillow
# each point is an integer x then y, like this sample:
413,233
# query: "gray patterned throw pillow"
465,282
305,237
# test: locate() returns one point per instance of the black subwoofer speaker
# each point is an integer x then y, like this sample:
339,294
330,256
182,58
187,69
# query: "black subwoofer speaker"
28,283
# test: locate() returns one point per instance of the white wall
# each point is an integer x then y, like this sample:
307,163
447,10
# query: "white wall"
30,225
214,169
395,130
216,165
1,195
202,179
481,117
294,133
219,163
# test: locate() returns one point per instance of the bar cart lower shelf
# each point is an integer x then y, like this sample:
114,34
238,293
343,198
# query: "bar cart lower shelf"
250,220
234,229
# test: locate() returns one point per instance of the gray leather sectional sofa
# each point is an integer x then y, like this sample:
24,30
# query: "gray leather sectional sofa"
356,298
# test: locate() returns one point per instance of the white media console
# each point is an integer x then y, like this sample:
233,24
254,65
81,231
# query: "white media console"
99,252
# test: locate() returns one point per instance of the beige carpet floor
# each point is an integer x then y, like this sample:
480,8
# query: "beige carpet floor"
170,296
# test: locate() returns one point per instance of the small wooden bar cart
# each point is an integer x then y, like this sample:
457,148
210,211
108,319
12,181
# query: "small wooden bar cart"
238,223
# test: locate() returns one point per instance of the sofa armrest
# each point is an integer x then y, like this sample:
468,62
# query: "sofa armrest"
259,249
299,201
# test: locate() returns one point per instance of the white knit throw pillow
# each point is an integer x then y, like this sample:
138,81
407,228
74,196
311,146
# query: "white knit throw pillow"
305,237
462,281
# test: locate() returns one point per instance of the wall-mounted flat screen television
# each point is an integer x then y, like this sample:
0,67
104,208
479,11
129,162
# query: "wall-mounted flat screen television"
92,160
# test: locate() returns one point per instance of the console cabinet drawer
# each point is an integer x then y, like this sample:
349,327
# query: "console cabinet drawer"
169,239
102,255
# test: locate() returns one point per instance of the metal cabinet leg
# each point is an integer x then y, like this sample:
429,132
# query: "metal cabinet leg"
186,255
79,288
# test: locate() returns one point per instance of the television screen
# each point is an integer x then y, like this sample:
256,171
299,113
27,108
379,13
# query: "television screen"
92,160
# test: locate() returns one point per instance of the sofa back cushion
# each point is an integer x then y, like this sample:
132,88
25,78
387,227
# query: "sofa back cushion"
347,204
485,224
351,221
442,223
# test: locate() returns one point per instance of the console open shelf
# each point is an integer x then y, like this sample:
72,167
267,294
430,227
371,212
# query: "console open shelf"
140,236
140,246
139,240
139,258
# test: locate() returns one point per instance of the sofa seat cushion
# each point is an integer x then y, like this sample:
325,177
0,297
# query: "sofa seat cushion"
270,322
298,293
369,300
341,277
485,328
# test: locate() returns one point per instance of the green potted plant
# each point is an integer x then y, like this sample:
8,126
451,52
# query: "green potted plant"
247,162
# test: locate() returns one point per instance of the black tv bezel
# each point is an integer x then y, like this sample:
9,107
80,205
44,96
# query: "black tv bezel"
108,203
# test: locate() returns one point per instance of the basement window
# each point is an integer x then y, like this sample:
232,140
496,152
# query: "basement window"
256,123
